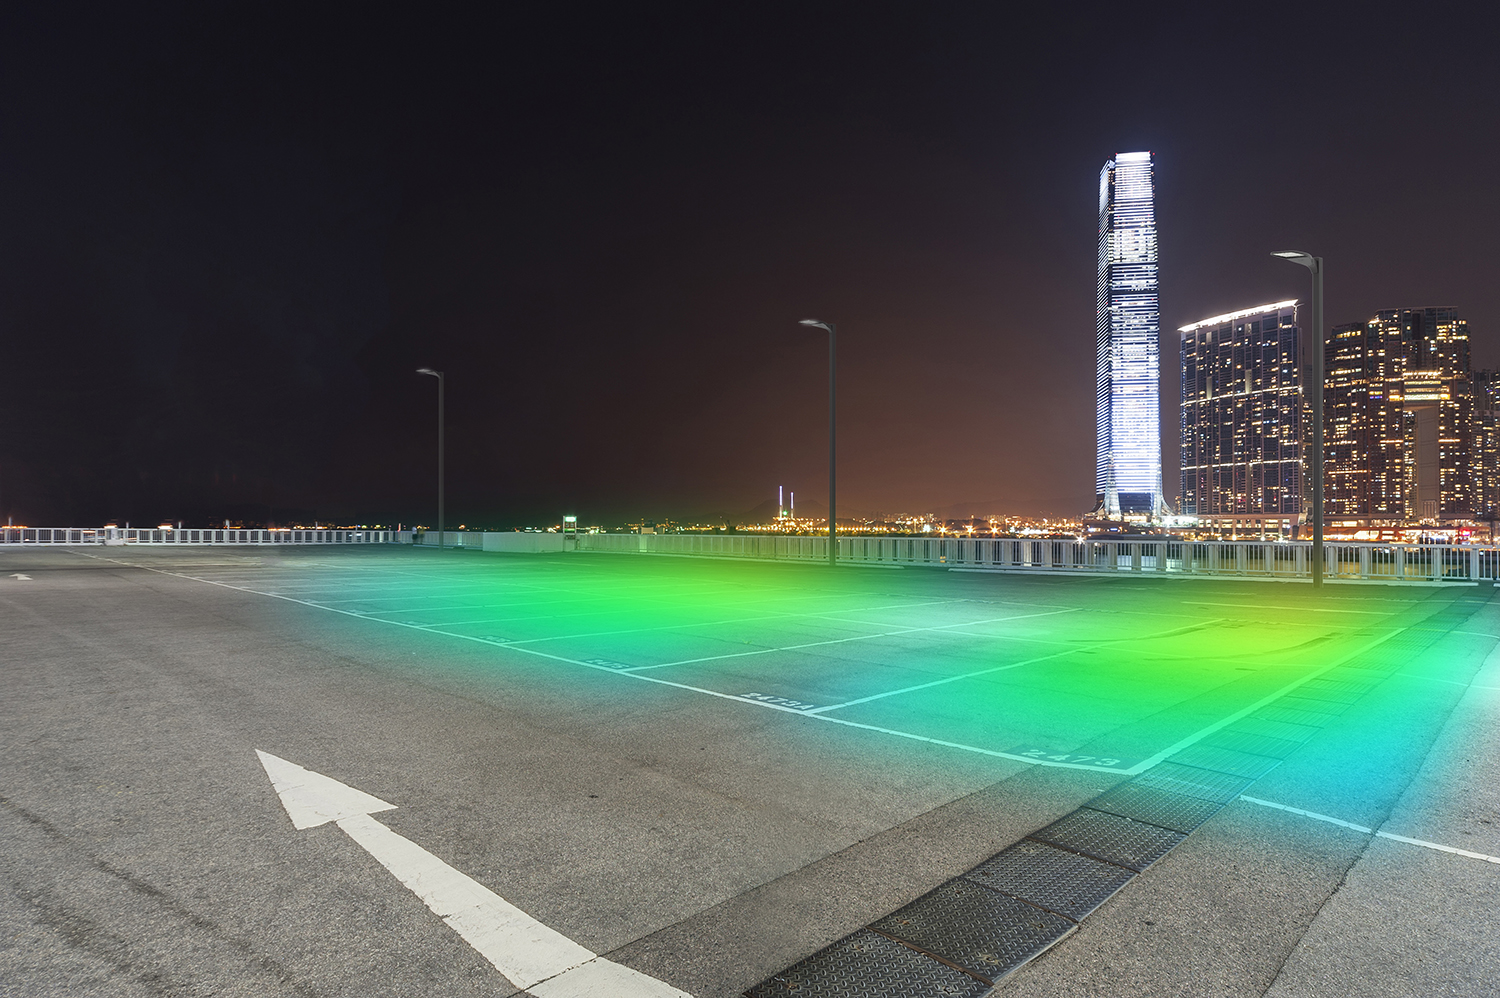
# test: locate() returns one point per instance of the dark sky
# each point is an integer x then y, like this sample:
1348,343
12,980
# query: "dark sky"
230,232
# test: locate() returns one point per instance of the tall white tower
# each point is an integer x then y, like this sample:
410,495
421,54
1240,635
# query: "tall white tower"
1127,472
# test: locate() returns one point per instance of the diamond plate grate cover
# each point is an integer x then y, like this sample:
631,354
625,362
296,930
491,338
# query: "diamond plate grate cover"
1328,703
1312,713
867,964
1290,731
1355,674
1051,878
986,932
1155,806
1191,781
1310,692
1239,740
1110,837
1241,764
1329,684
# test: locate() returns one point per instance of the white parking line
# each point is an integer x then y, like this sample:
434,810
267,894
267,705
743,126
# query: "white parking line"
1203,733
946,679
857,637
1299,609
1004,668
736,697
826,615
1370,831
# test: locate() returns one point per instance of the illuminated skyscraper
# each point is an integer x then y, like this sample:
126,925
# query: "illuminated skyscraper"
1127,473
1399,406
1242,419
1487,444
1363,450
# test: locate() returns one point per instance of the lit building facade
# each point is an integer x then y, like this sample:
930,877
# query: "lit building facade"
1363,439
1400,441
1127,472
1242,419
1487,445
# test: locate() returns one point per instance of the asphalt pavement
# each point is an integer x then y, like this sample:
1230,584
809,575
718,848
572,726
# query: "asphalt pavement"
700,841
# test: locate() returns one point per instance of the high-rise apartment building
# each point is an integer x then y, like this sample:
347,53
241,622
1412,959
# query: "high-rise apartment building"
1363,436
1127,473
1487,444
1399,421
1242,409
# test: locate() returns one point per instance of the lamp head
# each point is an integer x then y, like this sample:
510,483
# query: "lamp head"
814,322
1298,257
428,370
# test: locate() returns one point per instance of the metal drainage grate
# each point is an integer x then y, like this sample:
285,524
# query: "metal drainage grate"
1241,764
1111,838
1330,706
1290,731
1051,878
1156,807
1308,715
1310,692
1239,740
1335,685
1355,674
985,922
1191,781
987,933
865,964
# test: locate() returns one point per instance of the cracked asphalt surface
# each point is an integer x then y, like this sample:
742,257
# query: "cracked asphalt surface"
706,844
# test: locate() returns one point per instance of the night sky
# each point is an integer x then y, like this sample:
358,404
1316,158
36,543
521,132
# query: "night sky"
229,233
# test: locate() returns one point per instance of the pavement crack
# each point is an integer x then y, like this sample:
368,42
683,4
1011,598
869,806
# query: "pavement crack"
83,933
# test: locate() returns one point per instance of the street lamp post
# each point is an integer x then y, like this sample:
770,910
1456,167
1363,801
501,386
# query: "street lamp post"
833,547
439,375
1315,265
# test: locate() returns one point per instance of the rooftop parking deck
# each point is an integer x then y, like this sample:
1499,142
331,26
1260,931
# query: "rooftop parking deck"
709,771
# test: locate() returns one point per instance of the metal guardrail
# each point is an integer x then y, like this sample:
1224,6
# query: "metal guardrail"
451,538
1362,562
1346,561
74,536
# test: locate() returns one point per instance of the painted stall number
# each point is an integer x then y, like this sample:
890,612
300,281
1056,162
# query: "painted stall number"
1050,756
605,663
778,701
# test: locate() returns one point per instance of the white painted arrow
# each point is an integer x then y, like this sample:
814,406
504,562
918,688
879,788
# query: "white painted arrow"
533,957
18,575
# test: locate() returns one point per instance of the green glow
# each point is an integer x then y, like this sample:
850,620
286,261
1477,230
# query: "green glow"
988,665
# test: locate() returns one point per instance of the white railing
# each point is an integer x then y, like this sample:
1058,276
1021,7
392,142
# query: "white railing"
1244,559
451,538
74,536
1345,561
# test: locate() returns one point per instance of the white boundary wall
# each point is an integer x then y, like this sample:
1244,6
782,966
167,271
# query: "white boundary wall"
75,536
1346,562
1253,559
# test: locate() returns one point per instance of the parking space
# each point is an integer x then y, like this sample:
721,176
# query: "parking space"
648,753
